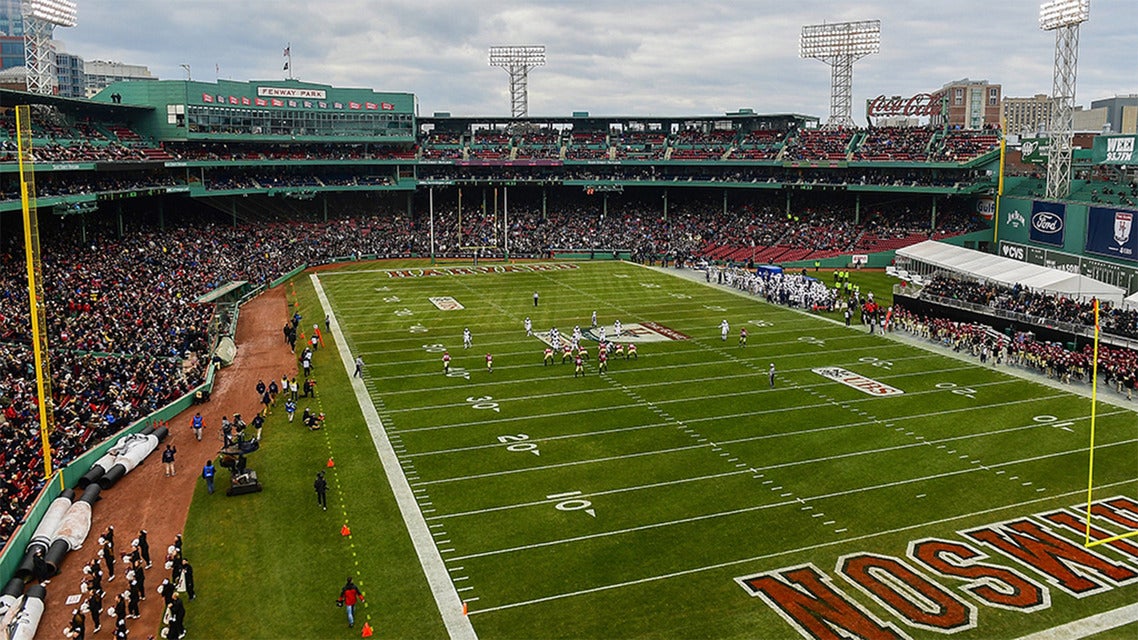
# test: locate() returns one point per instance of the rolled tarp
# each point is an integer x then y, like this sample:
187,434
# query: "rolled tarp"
54,557
10,597
44,533
26,622
129,452
96,471
73,529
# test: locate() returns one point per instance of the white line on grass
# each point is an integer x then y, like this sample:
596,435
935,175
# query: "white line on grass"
767,556
447,601
699,446
763,507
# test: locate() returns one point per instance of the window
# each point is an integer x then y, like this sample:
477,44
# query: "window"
993,96
958,97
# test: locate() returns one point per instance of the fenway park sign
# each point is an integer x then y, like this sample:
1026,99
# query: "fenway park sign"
921,104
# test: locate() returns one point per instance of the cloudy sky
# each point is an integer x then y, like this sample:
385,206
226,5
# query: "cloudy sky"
616,57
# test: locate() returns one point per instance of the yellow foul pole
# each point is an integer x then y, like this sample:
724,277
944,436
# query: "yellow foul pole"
35,281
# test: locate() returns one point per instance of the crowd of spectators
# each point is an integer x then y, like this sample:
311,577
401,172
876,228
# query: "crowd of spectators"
1018,299
893,144
1118,367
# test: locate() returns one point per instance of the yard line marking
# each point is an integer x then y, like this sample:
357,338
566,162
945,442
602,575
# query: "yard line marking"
687,382
840,530
447,601
828,522
461,578
641,454
465,589
654,485
456,569
768,556
763,507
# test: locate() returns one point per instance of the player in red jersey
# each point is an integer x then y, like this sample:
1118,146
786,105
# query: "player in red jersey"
548,356
489,363
631,352
446,362
578,367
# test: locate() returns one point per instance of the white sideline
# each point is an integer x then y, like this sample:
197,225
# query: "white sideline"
1090,625
446,598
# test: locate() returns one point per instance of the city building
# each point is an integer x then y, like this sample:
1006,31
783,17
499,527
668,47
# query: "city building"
1121,112
72,80
101,74
972,104
1027,116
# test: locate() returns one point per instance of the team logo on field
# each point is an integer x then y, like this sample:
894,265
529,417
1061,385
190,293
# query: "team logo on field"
447,303
859,382
631,332
943,585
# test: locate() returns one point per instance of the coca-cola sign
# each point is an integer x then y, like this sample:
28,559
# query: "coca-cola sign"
921,104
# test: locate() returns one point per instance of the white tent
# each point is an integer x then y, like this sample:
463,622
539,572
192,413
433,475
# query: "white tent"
1006,271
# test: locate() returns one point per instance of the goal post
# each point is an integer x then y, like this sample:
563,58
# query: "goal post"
1087,542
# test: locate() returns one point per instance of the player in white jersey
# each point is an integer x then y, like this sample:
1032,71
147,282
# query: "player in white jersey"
467,339
529,327
601,334
616,329
594,319
724,329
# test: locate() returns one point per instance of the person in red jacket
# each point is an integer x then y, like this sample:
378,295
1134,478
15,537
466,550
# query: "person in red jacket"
349,596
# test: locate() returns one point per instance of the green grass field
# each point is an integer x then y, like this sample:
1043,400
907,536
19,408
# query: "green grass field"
644,501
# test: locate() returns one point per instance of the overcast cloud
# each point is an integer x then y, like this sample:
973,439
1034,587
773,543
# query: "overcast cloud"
661,57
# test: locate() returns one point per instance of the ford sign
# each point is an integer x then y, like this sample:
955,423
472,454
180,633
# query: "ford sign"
1047,222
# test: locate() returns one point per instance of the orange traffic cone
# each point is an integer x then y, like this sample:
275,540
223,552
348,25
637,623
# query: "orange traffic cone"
366,630
331,463
345,531
465,608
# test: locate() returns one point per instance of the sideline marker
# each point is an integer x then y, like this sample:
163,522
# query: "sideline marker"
345,531
331,463
465,609
367,631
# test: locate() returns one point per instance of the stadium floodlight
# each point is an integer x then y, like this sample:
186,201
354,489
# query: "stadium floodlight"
518,60
839,44
1060,13
1063,17
61,13
40,18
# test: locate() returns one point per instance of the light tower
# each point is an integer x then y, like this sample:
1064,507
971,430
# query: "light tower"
40,18
1063,17
517,60
839,44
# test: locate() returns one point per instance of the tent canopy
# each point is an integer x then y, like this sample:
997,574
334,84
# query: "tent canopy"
1006,271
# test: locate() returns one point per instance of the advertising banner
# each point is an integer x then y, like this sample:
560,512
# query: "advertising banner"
1048,220
1110,232
1115,150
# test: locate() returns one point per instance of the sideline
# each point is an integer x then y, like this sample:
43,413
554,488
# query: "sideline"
1090,625
446,598
1106,395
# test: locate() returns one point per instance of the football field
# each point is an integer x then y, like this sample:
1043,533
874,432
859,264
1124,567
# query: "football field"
870,488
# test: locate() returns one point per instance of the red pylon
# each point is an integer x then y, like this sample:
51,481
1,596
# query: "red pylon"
331,463
367,631
345,531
